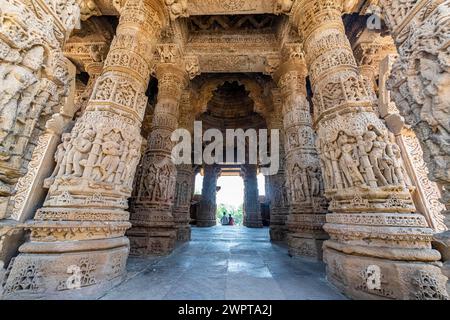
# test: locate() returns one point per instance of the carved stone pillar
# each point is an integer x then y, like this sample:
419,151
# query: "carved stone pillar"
276,188
420,83
206,216
154,230
303,173
426,194
185,176
252,210
30,190
34,85
183,195
77,238
378,247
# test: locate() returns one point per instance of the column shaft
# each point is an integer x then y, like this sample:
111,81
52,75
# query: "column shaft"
252,210
77,238
154,230
206,216
374,233
303,174
183,195
277,189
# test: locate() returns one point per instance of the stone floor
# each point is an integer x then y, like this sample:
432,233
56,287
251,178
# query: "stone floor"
225,263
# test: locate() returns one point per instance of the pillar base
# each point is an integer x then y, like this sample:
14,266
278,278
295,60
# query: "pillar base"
12,235
372,278
206,223
278,233
442,244
184,233
254,225
147,241
302,246
66,270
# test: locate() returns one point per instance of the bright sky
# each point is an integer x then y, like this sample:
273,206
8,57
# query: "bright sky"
232,191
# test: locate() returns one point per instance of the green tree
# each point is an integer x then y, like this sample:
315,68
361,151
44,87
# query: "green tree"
236,212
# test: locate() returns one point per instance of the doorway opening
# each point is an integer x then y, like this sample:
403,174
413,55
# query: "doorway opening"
230,196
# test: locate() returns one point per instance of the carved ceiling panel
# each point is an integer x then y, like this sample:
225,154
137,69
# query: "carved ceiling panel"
202,7
220,23
231,63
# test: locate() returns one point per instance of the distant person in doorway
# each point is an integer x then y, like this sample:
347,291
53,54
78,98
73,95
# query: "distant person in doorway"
224,221
230,221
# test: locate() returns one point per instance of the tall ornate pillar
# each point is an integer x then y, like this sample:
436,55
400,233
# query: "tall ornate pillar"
77,238
36,80
303,174
252,210
420,83
378,247
182,205
206,216
184,190
154,231
276,187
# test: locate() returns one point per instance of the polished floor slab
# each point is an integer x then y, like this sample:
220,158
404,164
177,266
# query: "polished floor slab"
225,263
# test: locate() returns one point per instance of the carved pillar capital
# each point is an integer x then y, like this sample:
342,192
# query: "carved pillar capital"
94,68
172,80
313,15
142,16
291,79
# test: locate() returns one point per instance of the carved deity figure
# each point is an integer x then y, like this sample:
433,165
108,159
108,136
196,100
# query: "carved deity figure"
76,157
293,140
327,166
15,79
399,174
396,169
150,182
334,154
349,162
285,191
277,196
184,193
376,148
109,162
314,177
297,191
164,183
300,184
131,161
61,155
